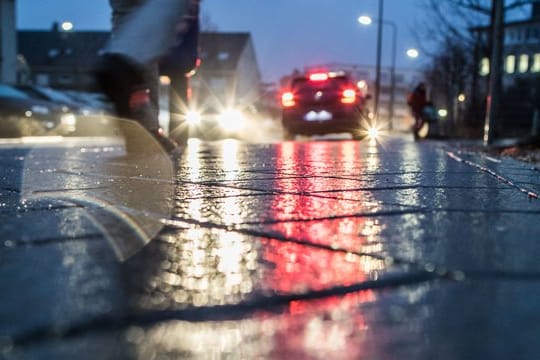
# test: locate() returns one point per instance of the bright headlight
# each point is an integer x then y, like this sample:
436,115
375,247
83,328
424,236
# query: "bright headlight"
373,133
193,117
232,119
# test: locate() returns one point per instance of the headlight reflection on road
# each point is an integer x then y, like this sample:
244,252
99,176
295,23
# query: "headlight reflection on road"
193,159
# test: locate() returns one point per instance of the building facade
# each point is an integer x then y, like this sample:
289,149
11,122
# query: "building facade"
520,73
521,54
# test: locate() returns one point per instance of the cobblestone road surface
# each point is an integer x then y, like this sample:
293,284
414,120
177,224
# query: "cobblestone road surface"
294,250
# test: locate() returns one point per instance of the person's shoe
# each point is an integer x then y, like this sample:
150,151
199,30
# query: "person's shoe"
171,147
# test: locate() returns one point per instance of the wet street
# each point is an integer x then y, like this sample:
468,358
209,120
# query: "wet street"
323,249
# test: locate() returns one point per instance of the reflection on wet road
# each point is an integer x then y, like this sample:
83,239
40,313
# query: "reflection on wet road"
305,249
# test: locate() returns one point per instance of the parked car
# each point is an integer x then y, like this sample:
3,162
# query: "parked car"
323,103
22,115
94,100
59,97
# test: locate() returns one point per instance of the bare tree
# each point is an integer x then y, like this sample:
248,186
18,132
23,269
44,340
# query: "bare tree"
207,24
447,36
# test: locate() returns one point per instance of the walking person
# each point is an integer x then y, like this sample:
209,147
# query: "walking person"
143,32
417,101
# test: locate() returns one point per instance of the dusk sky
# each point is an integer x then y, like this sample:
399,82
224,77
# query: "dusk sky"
287,34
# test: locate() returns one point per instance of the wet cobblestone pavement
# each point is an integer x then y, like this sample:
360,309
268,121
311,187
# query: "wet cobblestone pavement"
294,250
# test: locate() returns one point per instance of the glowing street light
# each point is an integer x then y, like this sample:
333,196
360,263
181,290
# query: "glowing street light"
67,26
412,53
365,20
442,113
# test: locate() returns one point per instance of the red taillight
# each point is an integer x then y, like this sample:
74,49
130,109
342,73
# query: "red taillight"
287,99
348,96
318,77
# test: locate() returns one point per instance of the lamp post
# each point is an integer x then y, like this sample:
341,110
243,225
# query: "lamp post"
366,20
378,64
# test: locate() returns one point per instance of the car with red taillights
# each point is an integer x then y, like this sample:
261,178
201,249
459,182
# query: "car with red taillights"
323,103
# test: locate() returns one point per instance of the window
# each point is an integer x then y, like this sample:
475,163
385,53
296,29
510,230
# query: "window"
53,53
510,65
42,79
509,37
484,67
523,63
223,56
65,79
519,35
536,63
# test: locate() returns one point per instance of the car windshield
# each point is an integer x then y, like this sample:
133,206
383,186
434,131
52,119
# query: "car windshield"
10,92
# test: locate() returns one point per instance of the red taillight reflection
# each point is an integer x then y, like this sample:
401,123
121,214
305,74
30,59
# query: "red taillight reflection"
348,96
318,77
287,99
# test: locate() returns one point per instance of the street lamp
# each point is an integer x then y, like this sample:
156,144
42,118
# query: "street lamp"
378,65
67,26
412,53
366,20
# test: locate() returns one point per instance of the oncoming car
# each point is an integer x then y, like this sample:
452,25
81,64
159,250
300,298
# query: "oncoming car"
323,103
212,123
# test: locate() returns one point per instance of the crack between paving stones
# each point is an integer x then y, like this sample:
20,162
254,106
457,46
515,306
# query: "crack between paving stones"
531,194
38,209
16,191
243,309
214,313
17,244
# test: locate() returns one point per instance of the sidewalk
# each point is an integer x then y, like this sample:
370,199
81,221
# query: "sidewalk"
293,250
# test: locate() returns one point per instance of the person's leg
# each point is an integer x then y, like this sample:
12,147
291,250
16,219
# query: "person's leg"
122,11
148,32
128,71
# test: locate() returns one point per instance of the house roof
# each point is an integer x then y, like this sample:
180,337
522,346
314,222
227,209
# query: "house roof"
222,51
218,51
61,49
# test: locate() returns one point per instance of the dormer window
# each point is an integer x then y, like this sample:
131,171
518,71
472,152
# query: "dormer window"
223,56
54,53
